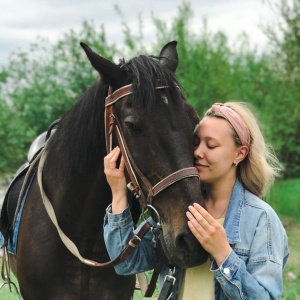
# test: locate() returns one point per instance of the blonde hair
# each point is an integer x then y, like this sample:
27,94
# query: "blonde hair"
258,170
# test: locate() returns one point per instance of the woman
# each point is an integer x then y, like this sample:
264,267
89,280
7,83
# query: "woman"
236,167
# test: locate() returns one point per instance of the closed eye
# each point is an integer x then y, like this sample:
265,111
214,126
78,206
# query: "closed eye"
133,127
211,146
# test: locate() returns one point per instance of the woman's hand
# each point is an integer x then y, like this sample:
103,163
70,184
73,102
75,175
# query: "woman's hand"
116,179
209,232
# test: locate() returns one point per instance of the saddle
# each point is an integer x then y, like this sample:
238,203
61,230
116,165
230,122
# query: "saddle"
10,205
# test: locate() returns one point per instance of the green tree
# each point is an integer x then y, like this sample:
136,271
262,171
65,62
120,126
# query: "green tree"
38,86
284,36
210,71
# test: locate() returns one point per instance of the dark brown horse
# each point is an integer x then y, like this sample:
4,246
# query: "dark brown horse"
158,127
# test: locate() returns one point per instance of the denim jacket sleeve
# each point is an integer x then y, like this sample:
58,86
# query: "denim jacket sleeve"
259,274
118,230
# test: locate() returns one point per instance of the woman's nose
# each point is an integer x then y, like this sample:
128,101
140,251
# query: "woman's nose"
198,151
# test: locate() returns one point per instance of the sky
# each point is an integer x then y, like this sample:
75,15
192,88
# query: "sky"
21,21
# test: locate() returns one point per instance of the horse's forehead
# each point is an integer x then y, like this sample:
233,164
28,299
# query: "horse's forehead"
161,115
163,103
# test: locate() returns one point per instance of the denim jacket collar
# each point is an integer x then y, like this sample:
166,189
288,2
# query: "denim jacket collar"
232,219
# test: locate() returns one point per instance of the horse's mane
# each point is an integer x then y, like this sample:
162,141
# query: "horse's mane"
80,142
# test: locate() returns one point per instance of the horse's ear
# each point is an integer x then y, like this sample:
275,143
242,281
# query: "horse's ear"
169,57
108,70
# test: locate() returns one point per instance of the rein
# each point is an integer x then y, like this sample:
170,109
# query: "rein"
133,243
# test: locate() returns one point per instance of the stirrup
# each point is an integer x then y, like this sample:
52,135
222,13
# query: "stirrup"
11,284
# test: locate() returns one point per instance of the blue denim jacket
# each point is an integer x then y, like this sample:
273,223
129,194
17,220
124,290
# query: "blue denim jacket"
253,269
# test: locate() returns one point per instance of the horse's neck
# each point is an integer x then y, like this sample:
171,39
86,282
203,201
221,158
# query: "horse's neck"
85,194
74,165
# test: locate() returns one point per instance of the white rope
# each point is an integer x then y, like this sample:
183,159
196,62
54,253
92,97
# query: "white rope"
49,208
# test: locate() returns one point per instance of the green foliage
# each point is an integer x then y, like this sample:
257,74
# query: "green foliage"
211,72
40,85
284,36
284,197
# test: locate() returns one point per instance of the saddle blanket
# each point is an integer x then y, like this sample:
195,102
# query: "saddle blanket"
13,237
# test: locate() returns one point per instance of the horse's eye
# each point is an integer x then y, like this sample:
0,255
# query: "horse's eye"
132,127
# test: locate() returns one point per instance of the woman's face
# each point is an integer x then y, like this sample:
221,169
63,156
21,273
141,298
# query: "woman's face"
214,150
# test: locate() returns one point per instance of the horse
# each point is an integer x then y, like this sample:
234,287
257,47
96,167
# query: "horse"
158,125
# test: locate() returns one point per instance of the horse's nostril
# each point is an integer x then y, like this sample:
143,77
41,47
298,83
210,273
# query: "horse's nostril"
191,249
184,240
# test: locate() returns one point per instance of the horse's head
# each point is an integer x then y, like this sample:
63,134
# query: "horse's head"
157,125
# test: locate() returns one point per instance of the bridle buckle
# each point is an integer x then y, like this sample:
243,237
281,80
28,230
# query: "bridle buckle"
134,189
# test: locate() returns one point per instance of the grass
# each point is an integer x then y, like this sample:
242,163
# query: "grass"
291,273
284,198
5,293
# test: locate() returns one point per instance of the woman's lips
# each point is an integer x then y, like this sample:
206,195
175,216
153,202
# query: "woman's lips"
200,166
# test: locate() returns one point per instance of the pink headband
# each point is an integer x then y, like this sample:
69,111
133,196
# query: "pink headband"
236,122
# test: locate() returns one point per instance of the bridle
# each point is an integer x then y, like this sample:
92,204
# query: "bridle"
112,124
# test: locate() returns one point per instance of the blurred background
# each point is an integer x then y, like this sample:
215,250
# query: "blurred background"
228,50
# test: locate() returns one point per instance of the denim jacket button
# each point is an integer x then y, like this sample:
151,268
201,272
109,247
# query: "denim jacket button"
226,271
